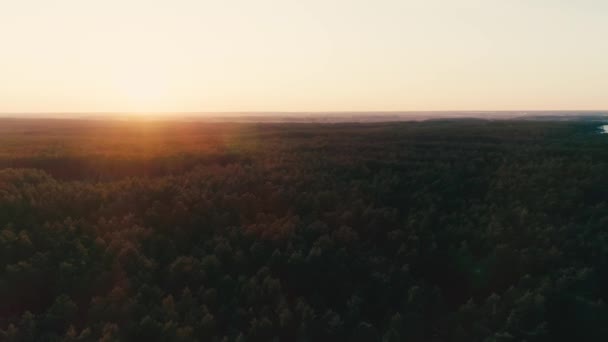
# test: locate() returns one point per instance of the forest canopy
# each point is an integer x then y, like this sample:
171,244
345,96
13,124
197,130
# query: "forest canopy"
445,230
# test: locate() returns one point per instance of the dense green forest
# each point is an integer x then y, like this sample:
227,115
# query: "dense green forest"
447,230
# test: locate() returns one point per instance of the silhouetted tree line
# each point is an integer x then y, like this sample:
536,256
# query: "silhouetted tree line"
464,230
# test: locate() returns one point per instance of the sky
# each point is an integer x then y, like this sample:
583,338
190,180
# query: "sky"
294,55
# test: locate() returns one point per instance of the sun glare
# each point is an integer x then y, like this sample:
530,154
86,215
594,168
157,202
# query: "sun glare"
143,90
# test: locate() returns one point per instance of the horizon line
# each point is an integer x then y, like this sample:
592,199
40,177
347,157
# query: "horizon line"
314,111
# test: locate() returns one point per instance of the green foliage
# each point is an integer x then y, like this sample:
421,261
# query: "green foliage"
464,230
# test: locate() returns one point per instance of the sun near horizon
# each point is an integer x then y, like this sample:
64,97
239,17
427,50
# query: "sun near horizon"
389,55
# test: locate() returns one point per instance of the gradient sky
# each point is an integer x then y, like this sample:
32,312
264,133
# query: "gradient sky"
302,55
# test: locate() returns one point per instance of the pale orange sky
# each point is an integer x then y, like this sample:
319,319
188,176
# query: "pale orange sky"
294,55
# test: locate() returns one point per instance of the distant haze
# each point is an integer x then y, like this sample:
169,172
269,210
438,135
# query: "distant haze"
294,55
